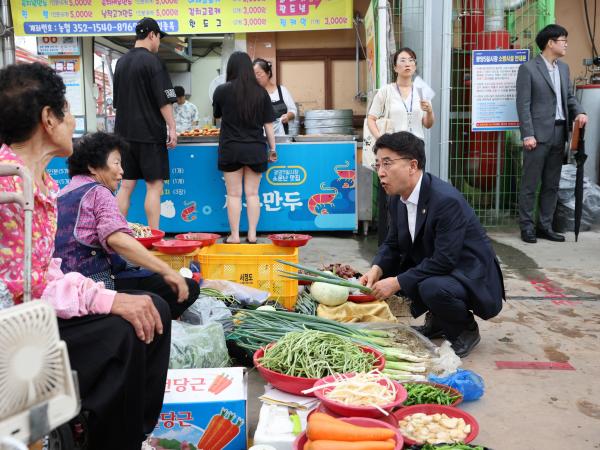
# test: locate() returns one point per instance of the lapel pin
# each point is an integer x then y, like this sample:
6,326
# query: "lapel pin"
423,211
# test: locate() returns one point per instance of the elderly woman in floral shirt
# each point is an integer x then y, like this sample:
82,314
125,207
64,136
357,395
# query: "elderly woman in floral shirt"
117,342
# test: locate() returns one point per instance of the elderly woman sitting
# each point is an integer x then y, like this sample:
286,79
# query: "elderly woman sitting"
118,342
93,236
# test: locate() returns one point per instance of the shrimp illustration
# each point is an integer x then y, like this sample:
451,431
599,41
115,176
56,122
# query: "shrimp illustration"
189,212
348,176
317,203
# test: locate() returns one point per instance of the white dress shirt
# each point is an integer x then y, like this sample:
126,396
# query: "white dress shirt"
411,207
555,77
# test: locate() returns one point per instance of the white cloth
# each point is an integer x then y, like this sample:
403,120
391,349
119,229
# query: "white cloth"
555,77
291,107
185,116
398,114
412,202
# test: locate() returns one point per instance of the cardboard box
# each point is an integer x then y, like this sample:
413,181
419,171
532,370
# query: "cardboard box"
203,409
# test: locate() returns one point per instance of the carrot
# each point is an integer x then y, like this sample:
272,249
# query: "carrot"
208,430
216,382
228,435
358,445
322,416
215,432
223,385
337,430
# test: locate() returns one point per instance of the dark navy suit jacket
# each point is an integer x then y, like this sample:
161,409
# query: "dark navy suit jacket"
449,241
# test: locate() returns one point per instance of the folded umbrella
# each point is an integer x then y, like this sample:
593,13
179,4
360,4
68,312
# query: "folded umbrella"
578,148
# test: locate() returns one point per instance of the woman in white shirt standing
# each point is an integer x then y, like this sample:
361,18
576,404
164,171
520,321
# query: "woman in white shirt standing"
408,111
283,103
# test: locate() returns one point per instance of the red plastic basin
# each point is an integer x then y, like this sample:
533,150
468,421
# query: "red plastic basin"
449,390
289,239
203,239
176,246
439,409
295,385
358,411
361,422
147,242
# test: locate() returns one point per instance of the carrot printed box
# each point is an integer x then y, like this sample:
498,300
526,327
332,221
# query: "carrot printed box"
203,409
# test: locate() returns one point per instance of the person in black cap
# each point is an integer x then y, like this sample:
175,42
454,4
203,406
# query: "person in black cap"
143,98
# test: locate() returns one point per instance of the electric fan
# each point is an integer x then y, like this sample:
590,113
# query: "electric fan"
37,389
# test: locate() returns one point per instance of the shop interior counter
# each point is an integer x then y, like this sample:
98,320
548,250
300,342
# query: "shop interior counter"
312,187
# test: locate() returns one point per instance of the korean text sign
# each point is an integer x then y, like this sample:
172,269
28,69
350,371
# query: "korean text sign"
494,77
118,17
312,187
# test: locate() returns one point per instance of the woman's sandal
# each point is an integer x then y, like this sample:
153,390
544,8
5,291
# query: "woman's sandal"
225,241
248,241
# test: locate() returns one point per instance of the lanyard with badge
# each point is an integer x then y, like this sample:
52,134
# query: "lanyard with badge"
409,112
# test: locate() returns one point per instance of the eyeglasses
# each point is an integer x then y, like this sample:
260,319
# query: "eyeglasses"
386,164
407,61
561,40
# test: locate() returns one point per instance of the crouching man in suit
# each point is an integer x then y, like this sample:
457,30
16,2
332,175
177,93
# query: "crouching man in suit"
436,251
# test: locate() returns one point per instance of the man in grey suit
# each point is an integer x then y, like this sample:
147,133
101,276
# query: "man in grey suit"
546,106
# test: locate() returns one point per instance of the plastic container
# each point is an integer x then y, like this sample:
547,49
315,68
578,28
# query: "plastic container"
295,385
439,409
290,239
175,246
358,411
176,262
147,242
361,422
449,390
361,298
204,239
252,265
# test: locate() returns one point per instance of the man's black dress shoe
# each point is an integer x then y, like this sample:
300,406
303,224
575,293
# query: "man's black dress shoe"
528,236
431,328
550,235
466,341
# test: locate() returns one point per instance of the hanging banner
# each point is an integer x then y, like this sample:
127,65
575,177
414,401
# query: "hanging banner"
494,90
58,46
180,17
371,57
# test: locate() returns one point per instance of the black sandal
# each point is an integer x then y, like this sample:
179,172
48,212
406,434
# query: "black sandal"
248,241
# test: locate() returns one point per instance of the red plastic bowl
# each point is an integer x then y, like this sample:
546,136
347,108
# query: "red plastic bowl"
439,409
358,411
290,239
445,387
175,246
361,422
203,239
361,298
147,242
295,385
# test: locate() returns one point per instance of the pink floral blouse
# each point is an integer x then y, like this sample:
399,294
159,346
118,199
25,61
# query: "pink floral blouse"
70,294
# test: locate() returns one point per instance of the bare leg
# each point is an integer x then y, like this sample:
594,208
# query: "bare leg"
152,204
124,195
233,185
251,183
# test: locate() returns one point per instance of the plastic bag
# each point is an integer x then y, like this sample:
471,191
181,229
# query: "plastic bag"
469,384
206,310
564,218
197,346
246,295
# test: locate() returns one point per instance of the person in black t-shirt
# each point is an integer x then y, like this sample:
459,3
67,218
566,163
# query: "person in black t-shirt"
143,98
246,114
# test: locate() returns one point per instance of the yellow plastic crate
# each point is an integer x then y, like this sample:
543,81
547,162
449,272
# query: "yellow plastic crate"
253,265
176,262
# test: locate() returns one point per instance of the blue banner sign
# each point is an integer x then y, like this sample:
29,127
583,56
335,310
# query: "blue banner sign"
312,187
